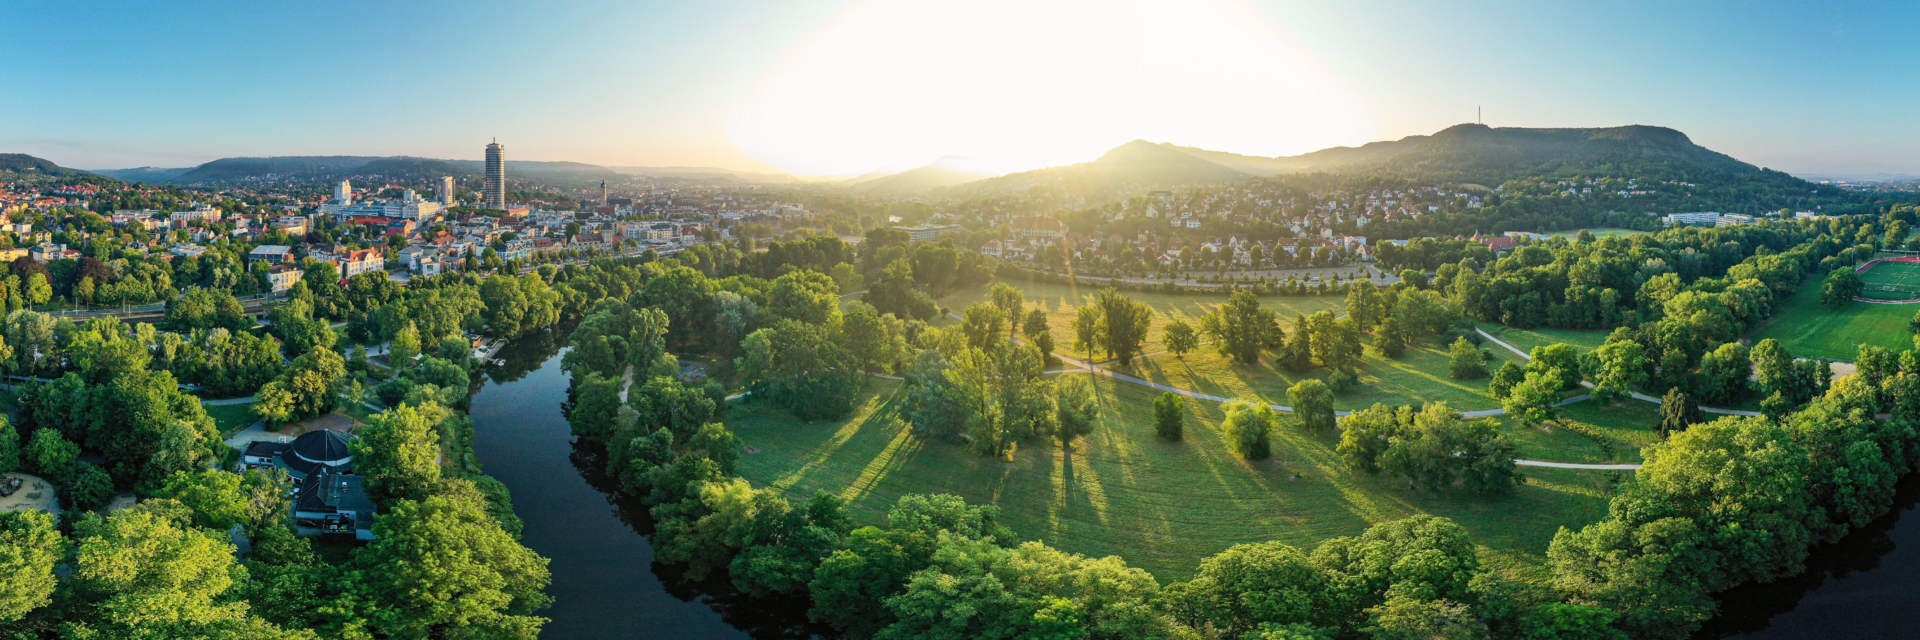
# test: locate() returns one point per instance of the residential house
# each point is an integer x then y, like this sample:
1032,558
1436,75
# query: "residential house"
283,276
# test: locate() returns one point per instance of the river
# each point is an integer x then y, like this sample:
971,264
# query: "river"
1862,587
605,584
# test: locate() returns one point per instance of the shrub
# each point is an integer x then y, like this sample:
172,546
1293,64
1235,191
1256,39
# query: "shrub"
1169,416
1246,429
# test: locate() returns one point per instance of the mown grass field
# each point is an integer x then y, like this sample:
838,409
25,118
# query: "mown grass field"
231,418
1161,505
1418,376
1527,339
1809,329
1061,301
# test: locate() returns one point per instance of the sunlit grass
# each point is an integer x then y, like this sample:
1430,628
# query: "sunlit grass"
1122,490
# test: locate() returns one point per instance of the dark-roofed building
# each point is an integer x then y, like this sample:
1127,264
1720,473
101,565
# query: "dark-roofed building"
263,453
331,503
315,450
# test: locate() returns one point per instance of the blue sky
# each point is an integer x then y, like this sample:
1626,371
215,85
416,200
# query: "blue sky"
1800,86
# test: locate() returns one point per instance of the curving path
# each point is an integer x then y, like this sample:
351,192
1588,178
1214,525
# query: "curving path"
1633,394
1082,366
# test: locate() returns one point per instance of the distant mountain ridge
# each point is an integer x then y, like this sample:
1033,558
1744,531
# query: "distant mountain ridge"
921,179
1467,153
21,163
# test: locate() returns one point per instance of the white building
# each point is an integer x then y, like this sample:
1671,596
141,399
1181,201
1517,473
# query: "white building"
1709,218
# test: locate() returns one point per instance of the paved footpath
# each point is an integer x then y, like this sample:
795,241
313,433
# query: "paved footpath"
1632,394
1081,366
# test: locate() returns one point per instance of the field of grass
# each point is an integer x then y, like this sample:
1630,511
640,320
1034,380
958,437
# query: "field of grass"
231,418
1060,302
1809,329
1527,339
1161,505
1418,376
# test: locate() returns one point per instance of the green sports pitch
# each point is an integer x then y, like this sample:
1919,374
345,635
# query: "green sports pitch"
1890,280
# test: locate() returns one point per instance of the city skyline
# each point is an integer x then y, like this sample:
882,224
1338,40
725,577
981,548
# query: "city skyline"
1798,87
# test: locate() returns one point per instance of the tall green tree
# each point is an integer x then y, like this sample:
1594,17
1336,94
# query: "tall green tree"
398,453
1247,428
1123,324
1465,361
1011,303
30,547
1840,287
1312,404
443,567
1241,327
1180,337
1088,332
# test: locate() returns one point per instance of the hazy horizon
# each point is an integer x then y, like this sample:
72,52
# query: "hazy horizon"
837,88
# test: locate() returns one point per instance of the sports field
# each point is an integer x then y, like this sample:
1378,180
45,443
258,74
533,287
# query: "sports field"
1891,281
1809,329
1161,505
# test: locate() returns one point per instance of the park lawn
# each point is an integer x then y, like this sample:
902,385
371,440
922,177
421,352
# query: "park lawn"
1061,302
1592,431
1808,329
1418,376
231,418
1161,505
1527,339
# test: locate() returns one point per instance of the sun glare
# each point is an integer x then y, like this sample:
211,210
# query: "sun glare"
993,86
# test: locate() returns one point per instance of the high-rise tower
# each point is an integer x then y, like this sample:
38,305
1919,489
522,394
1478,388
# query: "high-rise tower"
444,191
603,193
343,192
495,193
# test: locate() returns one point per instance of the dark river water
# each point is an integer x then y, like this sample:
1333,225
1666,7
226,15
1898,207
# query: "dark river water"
1865,586
606,585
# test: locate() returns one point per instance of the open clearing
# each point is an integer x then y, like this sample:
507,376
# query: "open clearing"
1418,376
1060,302
1161,505
1809,329
1527,339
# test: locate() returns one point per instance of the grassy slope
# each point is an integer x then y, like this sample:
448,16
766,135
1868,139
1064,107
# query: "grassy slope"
1808,329
1527,339
1160,505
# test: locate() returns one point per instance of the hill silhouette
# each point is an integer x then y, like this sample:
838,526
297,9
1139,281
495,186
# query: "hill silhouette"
921,179
20,163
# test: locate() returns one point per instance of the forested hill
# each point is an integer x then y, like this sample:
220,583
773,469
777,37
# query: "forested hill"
20,163
1481,154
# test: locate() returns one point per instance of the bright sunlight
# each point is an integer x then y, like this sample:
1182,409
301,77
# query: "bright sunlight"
995,86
